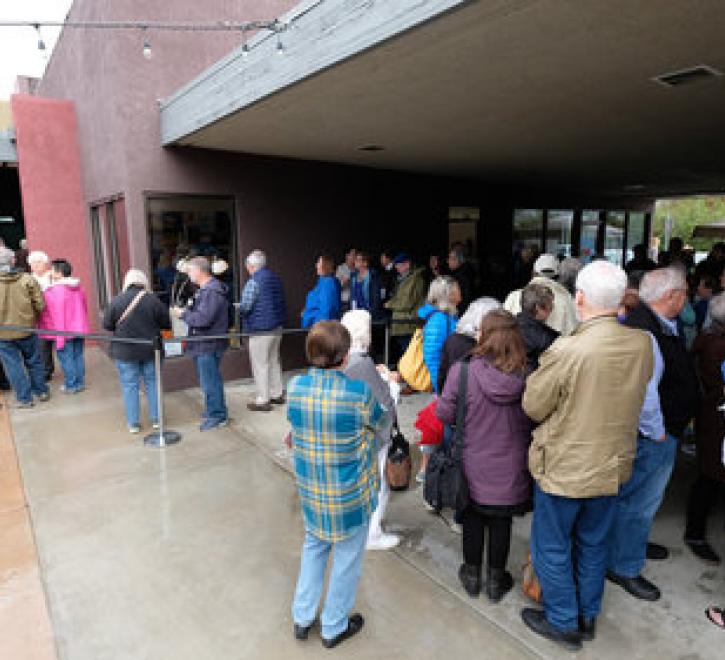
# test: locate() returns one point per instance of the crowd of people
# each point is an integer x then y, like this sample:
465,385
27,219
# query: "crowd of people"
571,400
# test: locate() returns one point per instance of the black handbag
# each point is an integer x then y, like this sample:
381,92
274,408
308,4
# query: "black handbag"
398,465
445,480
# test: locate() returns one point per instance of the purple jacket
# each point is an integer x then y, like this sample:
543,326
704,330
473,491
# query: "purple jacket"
208,314
497,433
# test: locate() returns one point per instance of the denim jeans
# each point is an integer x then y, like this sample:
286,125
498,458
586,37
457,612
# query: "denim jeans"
23,367
347,559
73,364
569,542
131,374
210,380
638,502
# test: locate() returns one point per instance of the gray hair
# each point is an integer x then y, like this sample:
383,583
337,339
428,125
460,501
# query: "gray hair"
202,263
717,308
568,270
470,322
535,295
603,284
656,283
38,256
7,258
135,277
439,294
257,259
357,322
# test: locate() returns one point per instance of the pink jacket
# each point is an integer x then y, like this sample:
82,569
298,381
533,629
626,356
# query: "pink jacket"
65,309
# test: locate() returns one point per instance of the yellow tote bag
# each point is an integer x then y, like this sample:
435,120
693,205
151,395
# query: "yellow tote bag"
412,367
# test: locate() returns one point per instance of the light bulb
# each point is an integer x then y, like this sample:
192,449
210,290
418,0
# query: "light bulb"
147,50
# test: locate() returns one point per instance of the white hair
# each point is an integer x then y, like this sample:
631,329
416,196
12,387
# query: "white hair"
357,322
470,322
7,257
656,283
257,259
39,257
603,284
439,294
717,308
135,277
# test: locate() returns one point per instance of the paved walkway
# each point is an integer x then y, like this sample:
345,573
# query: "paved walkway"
193,552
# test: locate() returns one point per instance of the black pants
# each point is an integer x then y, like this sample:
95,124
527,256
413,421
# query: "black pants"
704,494
499,538
46,355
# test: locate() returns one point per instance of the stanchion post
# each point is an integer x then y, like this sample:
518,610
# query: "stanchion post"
387,343
162,437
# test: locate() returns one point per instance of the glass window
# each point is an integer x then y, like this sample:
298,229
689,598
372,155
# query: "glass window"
98,260
614,237
112,250
558,233
187,226
635,232
528,229
589,235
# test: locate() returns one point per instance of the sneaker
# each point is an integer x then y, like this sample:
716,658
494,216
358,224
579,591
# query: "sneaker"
68,390
22,405
209,424
45,396
259,407
134,430
155,426
420,477
456,528
383,542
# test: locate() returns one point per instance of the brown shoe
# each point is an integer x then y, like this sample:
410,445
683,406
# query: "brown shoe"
259,407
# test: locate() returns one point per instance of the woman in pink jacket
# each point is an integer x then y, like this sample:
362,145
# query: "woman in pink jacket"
66,309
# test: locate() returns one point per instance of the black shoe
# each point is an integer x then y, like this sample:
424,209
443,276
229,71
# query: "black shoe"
278,401
259,407
470,577
536,621
657,552
587,629
498,584
302,632
704,551
638,587
354,625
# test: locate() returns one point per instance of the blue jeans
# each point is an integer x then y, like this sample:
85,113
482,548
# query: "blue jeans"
569,551
638,502
210,380
24,367
73,364
131,374
347,562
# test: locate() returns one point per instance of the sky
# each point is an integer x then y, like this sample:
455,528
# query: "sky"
19,54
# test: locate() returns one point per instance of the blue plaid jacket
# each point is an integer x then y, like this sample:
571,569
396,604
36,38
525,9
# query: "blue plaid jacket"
333,422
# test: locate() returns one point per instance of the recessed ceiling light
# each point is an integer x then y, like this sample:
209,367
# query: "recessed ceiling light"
371,147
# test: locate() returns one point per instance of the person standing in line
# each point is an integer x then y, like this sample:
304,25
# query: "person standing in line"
39,263
207,315
582,453
21,303
333,420
387,275
464,273
537,301
136,313
323,302
66,309
662,293
496,439
264,314
408,296
21,256
365,287
344,275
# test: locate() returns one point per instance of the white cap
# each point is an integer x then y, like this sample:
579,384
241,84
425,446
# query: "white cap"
547,265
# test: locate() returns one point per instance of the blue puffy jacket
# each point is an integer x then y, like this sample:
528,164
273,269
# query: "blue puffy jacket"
438,326
323,302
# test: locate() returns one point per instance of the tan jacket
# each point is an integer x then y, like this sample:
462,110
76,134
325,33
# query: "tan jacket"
587,394
563,315
21,302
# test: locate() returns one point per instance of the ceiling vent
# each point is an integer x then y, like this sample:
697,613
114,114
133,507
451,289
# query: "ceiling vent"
695,74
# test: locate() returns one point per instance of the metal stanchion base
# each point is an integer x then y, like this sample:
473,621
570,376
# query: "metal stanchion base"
155,439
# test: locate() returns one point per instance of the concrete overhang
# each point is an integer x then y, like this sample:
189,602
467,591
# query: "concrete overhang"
546,92
8,152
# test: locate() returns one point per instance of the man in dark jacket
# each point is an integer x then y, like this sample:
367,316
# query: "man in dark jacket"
663,293
207,315
537,301
263,310
465,274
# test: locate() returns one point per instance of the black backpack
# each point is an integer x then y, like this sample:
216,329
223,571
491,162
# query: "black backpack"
445,480
398,465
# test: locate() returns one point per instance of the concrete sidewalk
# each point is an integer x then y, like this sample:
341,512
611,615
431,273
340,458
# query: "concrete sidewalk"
192,552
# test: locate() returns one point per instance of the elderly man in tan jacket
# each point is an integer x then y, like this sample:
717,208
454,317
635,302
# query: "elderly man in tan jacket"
586,396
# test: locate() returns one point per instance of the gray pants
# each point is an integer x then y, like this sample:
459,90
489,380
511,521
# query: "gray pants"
266,366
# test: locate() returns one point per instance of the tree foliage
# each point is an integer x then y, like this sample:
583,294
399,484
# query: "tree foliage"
686,213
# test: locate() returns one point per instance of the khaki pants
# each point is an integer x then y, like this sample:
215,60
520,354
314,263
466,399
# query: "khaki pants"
266,366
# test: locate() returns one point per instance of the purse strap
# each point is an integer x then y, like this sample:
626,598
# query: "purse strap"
457,442
132,305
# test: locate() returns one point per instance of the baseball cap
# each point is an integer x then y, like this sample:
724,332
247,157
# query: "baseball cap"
401,258
548,265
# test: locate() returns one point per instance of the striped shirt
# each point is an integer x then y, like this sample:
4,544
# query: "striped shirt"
333,421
